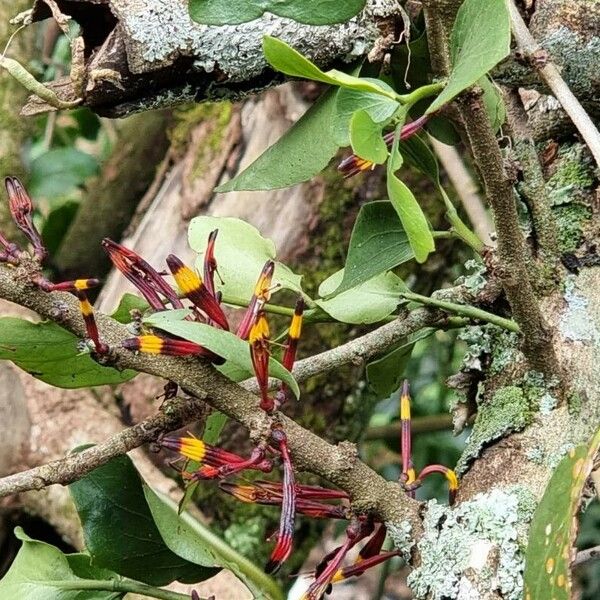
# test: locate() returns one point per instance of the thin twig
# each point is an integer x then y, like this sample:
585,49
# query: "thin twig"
548,71
174,414
585,556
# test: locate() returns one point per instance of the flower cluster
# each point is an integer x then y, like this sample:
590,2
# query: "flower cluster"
217,463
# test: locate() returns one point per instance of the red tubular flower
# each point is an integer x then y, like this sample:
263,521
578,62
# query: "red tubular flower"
154,344
359,568
259,353
449,474
90,322
261,295
291,347
329,566
354,164
143,276
285,536
311,492
408,471
216,461
193,288
210,263
78,285
21,209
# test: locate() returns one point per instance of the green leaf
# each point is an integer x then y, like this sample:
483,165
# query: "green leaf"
223,343
443,130
554,527
57,223
348,101
411,216
191,540
480,39
119,529
385,374
50,353
378,244
241,253
366,138
310,12
128,303
39,569
58,171
299,154
285,59
418,154
369,302
493,102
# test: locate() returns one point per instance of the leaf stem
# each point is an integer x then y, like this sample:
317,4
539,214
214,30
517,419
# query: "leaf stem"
458,225
119,585
275,309
423,92
465,310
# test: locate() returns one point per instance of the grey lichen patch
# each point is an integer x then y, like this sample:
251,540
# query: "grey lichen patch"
506,411
401,536
158,32
475,548
491,345
475,278
577,323
578,59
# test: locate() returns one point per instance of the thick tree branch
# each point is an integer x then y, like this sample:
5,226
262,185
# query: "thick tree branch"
512,252
338,464
551,75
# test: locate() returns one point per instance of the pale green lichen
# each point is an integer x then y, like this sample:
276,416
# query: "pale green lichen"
490,342
475,278
506,411
475,548
401,536
158,33
576,322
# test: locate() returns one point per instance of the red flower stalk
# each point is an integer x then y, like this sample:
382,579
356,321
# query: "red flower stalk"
289,355
408,471
354,164
329,566
193,288
374,545
219,462
449,474
358,569
90,322
257,493
154,344
210,263
11,250
285,535
143,276
259,353
21,209
261,295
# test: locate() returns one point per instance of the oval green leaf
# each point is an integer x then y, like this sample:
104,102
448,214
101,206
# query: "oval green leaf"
119,529
42,572
309,12
241,253
367,303
50,353
378,244
299,154
553,530
366,138
480,39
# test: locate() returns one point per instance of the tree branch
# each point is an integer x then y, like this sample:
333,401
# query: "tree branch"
338,464
175,414
548,71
